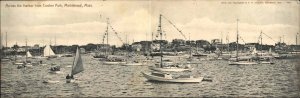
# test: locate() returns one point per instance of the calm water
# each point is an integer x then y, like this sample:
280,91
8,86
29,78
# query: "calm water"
276,80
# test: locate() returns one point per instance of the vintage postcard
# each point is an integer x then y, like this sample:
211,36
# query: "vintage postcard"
150,48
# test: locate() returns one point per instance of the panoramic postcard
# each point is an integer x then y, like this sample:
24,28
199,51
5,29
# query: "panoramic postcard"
150,48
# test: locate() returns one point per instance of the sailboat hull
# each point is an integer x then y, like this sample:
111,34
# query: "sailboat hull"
113,63
242,63
178,80
133,64
172,69
265,62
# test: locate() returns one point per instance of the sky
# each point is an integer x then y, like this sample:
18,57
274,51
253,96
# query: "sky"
197,19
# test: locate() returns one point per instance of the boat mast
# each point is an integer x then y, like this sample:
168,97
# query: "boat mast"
261,43
237,40
106,50
160,32
221,42
5,43
1,46
26,49
227,43
190,46
297,38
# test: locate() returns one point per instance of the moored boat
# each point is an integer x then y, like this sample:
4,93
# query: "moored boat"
167,77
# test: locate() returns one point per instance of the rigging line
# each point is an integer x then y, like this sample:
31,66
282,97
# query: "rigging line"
269,37
175,27
258,39
116,33
242,39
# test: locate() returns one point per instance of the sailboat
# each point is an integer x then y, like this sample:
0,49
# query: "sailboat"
248,61
131,62
5,57
48,52
264,58
25,63
163,66
110,59
76,68
100,54
28,54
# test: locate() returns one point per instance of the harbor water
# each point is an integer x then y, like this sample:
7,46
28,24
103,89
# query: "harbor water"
97,80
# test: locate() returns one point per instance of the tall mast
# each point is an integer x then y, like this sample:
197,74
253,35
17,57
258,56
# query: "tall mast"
227,39
190,46
55,43
283,38
6,39
1,41
237,40
160,32
221,41
297,38
26,49
106,50
5,43
261,42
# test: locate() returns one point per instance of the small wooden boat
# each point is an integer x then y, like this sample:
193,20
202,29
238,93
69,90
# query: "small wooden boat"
166,77
55,69
114,61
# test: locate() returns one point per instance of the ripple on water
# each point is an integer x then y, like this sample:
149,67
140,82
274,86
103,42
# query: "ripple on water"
276,80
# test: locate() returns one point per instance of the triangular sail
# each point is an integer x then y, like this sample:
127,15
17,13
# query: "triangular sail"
48,51
28,54
77,64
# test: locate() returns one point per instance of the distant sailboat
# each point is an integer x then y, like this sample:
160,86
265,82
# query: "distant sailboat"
265,58
48,52
28,54
77,66
238,61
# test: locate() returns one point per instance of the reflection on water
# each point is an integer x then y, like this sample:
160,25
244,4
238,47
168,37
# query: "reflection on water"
276,80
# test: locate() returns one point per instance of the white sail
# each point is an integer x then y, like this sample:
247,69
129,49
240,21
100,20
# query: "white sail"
48,51
254,51
77,64
28,54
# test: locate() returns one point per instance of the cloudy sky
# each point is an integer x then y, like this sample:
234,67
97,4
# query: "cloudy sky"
200,18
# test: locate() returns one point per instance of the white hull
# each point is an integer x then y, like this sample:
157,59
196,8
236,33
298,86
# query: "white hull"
265,62
43,64
28,65
178,80
70,81
242,63
50,81
18,63
166,69
133,64
113,63
55,72
69,66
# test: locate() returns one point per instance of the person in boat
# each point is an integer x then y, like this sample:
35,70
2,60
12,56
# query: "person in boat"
68,77
24,63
